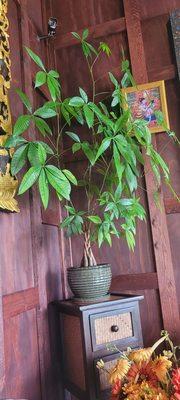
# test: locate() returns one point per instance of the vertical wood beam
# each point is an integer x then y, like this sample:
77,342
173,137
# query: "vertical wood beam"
160,235
36,223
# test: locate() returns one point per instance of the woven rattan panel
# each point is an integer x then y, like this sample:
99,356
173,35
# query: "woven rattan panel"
104,376
103,332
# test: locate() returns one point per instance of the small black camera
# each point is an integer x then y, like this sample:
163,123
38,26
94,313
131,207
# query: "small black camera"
52,25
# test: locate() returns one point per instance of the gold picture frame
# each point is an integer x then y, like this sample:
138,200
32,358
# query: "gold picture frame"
144,100
8,183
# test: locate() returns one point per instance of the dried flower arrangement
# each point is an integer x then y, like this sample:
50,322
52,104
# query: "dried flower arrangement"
143,375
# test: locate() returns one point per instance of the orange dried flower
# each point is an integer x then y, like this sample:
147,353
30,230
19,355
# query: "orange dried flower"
145,391
145,354
160,366
142,371
140,355
119,371
176,379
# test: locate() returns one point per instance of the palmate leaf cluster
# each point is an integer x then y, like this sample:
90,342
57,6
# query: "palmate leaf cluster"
113,152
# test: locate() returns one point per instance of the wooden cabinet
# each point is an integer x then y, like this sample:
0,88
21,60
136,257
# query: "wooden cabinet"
86,330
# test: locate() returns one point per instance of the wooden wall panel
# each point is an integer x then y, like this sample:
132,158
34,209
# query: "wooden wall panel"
151,8
81,13
16,250
30,256
22,360
16,244
160,54
53,263
76,74
151,58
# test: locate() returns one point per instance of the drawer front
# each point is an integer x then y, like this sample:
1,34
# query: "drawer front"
112,328
103,386
117,327
104,376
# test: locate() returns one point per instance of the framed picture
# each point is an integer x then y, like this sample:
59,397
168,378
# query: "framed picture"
144,100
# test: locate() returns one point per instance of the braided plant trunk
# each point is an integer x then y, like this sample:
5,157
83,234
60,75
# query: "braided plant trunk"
88,259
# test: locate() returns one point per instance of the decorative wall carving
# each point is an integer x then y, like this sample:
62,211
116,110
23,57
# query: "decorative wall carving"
8,184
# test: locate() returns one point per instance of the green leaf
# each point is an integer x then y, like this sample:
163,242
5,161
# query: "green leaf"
86,50
54,92
85,34
131,178
159,160
43,188
33,156
95,219
88,152
108,238
141,131
126,202
47,147
76,147
156,171
91,48
14,141
113,80
71,210
42,126
29,179
70,176
121,122
83,95
89,115
25,100
45,112
65,114
104,108
124,65
115,101
101,116
76,102
73,136
41,154
40,80
103,147
54,74
19,159
75,34
66,221
22,124
35,58
130,240
105,48
119,166
100,236
58,180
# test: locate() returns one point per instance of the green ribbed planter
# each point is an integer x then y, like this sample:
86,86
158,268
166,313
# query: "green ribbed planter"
88,283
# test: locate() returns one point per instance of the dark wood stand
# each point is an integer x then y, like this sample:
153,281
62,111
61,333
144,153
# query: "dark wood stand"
86,329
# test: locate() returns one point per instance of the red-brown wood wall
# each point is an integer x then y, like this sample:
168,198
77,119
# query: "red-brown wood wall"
34,255
30,251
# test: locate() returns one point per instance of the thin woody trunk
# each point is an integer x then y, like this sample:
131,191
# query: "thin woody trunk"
88,256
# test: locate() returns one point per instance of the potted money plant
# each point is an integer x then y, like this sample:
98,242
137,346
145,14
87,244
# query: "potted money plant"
114,160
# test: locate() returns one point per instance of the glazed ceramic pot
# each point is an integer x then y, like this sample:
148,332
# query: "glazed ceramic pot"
88,283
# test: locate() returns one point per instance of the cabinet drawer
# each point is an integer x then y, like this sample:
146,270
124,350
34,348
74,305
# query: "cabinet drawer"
115,327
